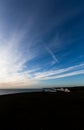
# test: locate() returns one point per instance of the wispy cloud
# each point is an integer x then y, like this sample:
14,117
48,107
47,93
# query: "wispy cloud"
12,63
60,73
13,58
66,75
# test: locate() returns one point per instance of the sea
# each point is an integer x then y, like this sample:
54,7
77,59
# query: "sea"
14,91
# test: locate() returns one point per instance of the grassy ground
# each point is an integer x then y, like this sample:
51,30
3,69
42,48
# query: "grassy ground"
42,110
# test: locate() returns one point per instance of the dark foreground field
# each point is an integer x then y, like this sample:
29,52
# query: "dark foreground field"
42,111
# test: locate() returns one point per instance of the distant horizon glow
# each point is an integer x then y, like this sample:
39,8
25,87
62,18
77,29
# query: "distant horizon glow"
41,43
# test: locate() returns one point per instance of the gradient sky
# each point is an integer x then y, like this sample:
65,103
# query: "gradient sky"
41,43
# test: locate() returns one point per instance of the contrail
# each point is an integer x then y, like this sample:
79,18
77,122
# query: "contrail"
52,55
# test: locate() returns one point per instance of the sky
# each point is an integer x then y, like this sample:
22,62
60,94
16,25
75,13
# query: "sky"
41,43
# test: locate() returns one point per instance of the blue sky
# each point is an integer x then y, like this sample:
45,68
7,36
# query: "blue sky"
41,43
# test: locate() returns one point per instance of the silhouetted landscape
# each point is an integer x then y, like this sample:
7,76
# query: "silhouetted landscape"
43,110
